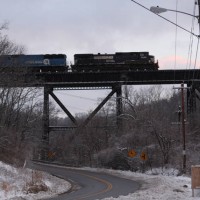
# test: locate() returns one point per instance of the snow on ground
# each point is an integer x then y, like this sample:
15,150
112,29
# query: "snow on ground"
165,185
15,183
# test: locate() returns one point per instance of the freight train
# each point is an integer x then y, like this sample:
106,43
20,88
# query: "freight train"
120,61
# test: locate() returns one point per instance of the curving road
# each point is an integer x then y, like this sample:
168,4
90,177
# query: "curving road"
89,185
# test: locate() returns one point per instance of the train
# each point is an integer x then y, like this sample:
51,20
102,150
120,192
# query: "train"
120,61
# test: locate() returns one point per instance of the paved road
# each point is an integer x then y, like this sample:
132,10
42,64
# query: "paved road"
90,185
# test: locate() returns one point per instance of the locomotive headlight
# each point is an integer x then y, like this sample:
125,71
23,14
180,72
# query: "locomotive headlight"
46,62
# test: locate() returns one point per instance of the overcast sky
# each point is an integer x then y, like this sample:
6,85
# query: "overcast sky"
99,26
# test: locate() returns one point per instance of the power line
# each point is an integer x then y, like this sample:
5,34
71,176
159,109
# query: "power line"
196,57
77,108
80,97
175,52
165,18
190,49
197,49
195,63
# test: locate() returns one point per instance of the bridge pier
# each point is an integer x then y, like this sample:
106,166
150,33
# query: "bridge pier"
119,107
45,135
191,99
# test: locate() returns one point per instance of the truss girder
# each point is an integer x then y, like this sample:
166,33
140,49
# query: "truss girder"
63,108
99,107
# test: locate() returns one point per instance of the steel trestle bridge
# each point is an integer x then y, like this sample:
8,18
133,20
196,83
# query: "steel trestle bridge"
99,80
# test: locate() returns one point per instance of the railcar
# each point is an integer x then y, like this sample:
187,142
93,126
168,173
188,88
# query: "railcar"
120,61
34,63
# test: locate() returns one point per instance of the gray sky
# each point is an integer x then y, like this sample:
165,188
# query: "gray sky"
99,26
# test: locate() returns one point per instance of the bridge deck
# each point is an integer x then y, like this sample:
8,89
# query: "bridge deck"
103,79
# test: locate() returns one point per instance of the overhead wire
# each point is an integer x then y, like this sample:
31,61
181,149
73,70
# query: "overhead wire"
77,96
191,42
196,56
197,48
176,33
165,19
76,108
189,59
190,53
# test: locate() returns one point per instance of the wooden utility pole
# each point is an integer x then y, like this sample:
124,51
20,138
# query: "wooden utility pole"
183,126
182,88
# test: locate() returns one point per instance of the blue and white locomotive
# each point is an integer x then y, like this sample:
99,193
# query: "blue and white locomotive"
35,63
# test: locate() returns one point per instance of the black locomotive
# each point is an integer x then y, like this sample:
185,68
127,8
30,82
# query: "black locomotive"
120,61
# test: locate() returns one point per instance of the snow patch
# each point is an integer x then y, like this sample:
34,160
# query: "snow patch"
166,185
14,183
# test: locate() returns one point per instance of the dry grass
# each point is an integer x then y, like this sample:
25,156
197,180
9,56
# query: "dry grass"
5,186
36,185
37,188
37,177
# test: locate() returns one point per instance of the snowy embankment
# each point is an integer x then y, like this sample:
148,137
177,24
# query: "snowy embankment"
166,185
24,184
16,184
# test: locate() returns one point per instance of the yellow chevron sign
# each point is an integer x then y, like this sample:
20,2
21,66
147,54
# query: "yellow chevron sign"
143,156
132,153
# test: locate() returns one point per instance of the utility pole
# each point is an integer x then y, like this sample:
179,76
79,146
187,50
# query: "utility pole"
183,124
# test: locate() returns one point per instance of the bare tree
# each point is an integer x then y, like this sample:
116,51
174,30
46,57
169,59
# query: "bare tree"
7,47
20,108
